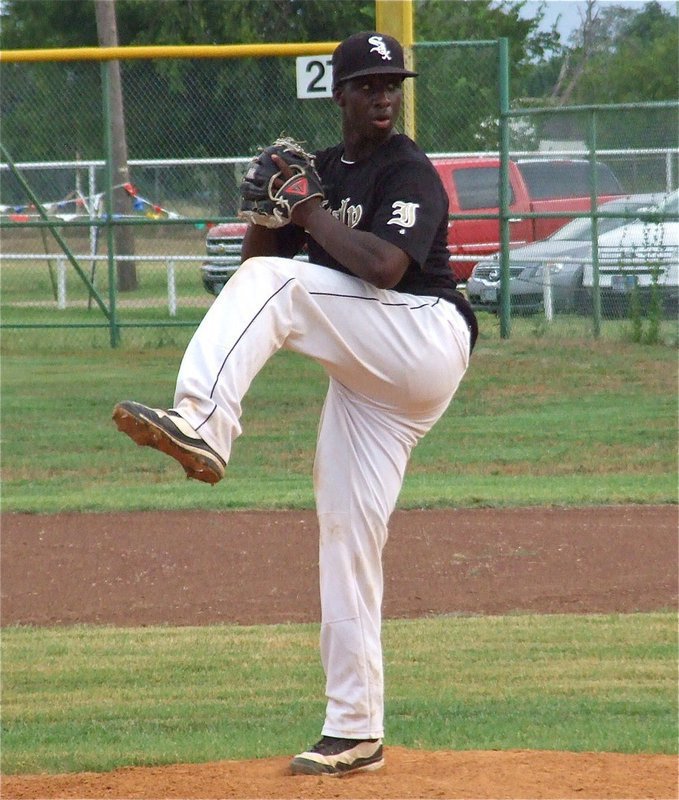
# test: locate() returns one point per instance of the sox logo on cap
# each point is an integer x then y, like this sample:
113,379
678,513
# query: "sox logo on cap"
379,47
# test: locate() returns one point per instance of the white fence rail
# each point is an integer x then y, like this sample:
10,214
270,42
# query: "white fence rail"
89,172
61,301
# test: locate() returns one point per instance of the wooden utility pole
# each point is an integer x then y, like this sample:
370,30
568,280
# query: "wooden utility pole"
107,33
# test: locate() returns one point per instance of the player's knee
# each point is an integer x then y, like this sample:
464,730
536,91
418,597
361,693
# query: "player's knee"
272,264
253,263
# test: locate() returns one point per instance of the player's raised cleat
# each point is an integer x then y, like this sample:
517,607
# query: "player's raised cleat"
168,432
337,757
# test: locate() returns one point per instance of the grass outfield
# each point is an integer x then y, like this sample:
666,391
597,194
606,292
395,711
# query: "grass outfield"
95,698
538,420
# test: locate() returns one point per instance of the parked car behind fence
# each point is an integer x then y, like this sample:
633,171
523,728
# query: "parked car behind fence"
536,186
640,258
223,244
543,185
552,267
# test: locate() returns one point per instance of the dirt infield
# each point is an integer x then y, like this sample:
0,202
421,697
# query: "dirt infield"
147,568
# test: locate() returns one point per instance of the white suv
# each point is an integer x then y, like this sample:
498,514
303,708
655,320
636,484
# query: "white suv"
638,255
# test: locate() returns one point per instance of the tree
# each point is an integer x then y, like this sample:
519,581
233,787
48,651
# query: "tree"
575,61
617,54
107,31
441,20
215,87
463,103
49,108
639,62
185,108
635,62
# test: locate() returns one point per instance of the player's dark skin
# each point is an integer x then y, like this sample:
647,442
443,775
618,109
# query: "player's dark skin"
370,106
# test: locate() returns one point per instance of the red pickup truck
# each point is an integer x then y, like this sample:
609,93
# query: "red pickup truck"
472,184
536,186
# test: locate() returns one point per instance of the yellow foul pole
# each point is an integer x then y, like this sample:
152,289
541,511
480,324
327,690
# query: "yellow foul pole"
395,17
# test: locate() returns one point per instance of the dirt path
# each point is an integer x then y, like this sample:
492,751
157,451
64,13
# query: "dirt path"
144,569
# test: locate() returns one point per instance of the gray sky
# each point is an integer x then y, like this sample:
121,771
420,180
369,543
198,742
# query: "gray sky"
569,12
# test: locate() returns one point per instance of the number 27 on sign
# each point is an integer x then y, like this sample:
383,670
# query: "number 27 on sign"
314,77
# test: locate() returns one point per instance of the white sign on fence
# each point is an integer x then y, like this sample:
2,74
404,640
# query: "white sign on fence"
314,77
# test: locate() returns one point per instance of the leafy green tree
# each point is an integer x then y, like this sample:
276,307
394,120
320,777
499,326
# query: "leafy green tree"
42,104
177,107
441,20
203,108
71,23
617,54
47,23
622,55
640,62
181,108
462,103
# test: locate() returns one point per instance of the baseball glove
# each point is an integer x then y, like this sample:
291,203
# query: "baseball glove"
267,196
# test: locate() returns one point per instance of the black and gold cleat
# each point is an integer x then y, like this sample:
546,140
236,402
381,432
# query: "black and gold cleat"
167,431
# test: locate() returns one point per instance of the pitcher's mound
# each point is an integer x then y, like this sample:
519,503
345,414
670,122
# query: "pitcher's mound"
407,774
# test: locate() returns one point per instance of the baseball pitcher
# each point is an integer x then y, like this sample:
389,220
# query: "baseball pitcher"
377,307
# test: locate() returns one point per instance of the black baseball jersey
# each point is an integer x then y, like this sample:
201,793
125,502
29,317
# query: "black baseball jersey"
397,195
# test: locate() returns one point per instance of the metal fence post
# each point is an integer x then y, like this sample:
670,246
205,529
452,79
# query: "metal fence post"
547,296
114,330
503,76
669,172
594,194
171,288
52,225
61,282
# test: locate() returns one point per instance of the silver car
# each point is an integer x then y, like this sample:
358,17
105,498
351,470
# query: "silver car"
548,274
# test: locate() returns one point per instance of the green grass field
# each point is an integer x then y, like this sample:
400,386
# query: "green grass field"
88,698
537,421
541,419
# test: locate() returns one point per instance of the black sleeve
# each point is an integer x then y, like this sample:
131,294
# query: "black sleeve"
413,202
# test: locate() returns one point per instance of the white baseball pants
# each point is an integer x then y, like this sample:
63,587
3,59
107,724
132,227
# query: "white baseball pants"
394,362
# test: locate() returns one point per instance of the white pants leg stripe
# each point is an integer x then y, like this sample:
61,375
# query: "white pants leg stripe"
431,301
393,364
235,344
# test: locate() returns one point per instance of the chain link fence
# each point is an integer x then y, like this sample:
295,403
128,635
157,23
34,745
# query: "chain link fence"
190,127
621,263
